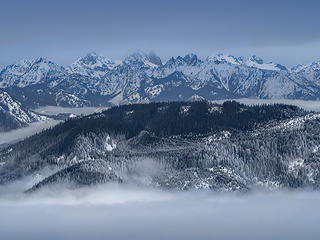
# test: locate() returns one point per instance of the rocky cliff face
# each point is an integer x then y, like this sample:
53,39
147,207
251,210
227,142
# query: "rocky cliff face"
13,114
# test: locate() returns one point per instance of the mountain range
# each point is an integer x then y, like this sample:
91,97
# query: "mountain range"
94,80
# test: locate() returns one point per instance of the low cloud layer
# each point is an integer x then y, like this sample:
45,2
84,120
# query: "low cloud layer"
36,127
113,212
22,133
54,110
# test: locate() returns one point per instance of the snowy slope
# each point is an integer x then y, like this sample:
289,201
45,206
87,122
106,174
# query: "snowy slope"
25,73
13,115
92,65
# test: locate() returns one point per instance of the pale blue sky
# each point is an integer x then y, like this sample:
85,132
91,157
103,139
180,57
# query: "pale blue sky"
280,31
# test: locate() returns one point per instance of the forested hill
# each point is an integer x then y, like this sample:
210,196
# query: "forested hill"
162,119
194,144
176,118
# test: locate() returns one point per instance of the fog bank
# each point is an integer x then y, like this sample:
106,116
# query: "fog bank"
54,110
22,133
112,212
36,127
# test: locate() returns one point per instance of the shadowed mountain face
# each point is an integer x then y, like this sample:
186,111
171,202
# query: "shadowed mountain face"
13,114
94,80
176,145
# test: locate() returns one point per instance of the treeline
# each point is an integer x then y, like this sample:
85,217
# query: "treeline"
162,119
183,118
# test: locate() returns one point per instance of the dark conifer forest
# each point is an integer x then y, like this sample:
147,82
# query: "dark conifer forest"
189,144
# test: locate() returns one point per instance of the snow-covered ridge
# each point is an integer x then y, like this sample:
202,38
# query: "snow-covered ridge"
253,61
25,72
95,80
93,65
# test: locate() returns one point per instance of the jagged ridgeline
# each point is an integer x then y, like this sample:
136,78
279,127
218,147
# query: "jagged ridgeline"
174,145
94,80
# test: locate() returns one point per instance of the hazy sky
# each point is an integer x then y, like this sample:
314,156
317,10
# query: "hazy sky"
280,31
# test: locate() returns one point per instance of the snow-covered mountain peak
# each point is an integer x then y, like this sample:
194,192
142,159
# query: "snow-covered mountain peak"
174,61
308,68
257,62
154,58
93,60
256,59
26,72
137,56
309,72
191,59
23,63
91,54
93,65
297,68
18,68
42,66
141,58
40,59
224,58
42,62
253,61
315,65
